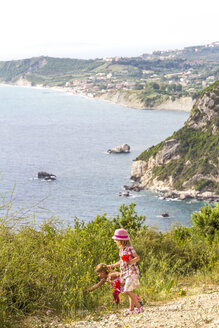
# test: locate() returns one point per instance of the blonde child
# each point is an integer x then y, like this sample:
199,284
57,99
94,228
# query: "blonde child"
129,271
112,278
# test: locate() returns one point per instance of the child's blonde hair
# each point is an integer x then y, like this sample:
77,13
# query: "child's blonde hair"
102,267
123,243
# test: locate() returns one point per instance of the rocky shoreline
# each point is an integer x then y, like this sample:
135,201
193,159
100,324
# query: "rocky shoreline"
167,193
142,172
181,104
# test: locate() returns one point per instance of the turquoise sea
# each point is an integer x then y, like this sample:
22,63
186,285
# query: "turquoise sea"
68,135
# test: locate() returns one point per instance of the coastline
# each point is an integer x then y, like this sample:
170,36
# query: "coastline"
182,104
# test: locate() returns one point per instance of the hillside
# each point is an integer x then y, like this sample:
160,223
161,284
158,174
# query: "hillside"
208,52
186,164
163,79
46,71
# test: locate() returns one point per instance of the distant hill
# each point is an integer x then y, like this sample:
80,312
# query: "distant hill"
209,52
163,79
186,164
47,71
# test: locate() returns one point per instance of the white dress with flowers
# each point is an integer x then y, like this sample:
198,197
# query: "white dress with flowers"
129,272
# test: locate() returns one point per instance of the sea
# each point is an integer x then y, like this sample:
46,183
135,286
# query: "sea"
69,135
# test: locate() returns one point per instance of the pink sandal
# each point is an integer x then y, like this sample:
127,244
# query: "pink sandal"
129,312
139,310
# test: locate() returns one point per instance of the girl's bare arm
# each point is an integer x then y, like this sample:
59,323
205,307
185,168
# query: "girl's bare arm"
135,258
114,275
114,265
100,283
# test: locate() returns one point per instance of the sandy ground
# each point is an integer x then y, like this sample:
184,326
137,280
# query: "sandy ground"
196,311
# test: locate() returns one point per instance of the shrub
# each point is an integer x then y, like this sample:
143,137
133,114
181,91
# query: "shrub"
206,222
204,184
50,267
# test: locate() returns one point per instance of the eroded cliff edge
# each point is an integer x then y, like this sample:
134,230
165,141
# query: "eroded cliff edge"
186,164
132,100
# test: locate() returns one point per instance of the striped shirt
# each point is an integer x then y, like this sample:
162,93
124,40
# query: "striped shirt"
125,268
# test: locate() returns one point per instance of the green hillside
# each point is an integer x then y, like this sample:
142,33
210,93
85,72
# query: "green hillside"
46,70
193,160
151,79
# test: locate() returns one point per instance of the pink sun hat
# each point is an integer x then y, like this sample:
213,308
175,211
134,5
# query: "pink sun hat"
121,234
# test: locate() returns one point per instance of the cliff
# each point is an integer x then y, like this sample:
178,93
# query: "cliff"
185,165
132,100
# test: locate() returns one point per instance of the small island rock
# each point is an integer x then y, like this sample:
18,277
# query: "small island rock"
119,149
165,215
46,176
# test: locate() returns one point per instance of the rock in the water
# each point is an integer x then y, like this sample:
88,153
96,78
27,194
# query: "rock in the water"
184,196
52,177
119,149
136,188
124,194
132,187
165,215
46,176
126,187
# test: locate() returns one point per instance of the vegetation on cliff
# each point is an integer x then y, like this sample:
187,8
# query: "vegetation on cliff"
194,162
47,270
46,70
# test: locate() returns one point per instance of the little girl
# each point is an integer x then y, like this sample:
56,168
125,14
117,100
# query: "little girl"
129,271
112,278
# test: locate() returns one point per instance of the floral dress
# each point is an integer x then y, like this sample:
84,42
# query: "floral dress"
129,272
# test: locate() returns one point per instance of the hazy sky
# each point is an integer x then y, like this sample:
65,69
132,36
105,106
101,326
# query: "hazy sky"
100,28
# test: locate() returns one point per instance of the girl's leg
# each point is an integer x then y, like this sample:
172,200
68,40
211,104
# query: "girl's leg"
131,303
139,300
133,300
116,296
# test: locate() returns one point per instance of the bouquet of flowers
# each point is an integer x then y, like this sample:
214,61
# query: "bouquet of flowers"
116,284
125,258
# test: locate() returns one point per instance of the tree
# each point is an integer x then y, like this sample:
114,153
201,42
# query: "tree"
206,221
138,86
155,86
178,87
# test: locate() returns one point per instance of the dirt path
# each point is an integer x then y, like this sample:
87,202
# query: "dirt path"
197,311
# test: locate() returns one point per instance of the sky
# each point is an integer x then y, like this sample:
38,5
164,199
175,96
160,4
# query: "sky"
99,28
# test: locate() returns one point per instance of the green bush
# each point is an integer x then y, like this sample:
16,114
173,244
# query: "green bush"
50,267
205,184
206,222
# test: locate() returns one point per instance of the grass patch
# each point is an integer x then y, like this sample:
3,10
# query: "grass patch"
48,269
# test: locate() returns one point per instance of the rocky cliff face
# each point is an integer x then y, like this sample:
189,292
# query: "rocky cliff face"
186,164
132,100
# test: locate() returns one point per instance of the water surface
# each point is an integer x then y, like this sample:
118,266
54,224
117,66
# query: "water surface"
68,136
